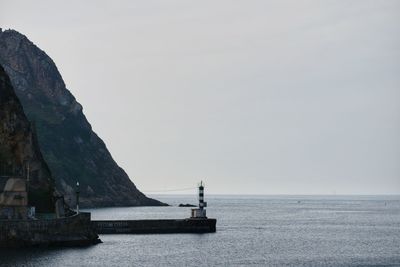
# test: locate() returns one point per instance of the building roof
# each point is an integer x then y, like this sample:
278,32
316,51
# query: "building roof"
12,184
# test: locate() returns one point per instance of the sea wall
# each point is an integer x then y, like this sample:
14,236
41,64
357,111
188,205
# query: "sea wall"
76,230
155,226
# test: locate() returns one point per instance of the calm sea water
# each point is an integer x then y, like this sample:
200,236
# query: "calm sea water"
251,231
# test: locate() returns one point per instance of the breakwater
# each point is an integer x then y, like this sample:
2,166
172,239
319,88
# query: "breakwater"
76,230
155,226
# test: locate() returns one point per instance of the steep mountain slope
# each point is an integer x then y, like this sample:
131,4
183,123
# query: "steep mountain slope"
19,149
70,147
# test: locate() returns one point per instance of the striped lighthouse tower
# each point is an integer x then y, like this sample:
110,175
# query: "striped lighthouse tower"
202,204
200,213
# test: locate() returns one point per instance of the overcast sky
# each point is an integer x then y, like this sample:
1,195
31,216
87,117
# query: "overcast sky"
254,97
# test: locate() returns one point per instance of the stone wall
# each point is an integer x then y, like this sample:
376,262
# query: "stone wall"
155,226
74,230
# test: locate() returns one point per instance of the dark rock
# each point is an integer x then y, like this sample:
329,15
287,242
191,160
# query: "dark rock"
18,146
69,146
187,205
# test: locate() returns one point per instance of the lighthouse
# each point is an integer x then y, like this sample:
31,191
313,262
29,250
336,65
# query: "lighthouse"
200,213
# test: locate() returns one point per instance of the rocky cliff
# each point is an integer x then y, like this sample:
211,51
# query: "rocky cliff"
19,151
70,147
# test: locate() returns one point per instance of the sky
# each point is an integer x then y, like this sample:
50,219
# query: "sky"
252,97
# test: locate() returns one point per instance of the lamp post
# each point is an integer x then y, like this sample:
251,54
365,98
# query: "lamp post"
27,178
77,197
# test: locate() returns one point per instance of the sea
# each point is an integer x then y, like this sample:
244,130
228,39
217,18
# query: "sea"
251,231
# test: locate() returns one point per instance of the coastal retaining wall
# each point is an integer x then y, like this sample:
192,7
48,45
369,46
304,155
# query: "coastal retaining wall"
155,226
74,230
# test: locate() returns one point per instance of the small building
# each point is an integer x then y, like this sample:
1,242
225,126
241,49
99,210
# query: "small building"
14,199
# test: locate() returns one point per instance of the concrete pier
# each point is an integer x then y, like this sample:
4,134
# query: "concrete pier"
155,226
76,230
